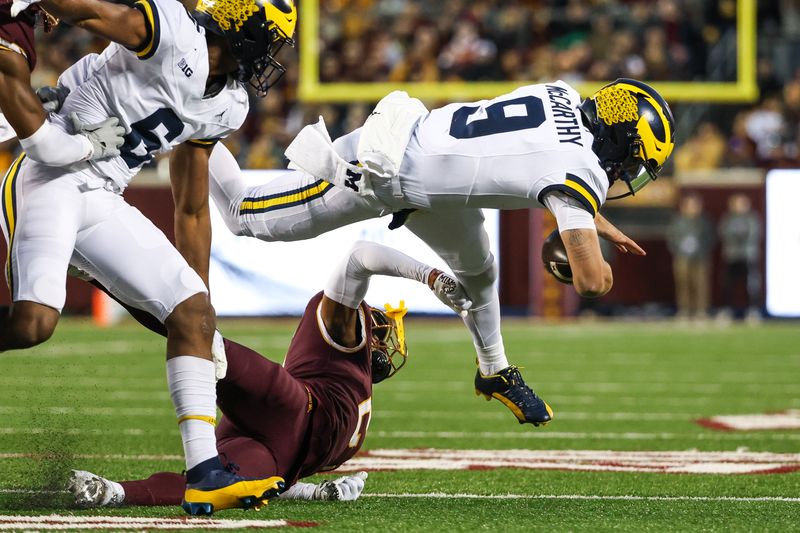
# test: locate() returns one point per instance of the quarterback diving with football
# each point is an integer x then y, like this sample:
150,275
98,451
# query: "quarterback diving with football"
433,171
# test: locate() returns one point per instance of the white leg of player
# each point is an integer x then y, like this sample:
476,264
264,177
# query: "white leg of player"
473,264
126,253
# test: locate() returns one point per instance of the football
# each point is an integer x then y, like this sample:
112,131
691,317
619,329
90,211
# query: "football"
554,257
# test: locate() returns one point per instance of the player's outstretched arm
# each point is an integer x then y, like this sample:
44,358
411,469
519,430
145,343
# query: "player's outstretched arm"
116,22
19,103
348,285
42,141
188,169
591,274
612,234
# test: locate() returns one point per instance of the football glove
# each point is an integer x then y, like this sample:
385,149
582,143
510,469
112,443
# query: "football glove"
52,97
219,356
451,293
106,137
344,489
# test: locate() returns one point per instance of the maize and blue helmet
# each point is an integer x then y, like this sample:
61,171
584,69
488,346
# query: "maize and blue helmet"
634,131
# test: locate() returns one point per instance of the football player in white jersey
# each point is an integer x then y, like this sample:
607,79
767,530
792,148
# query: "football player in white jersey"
175,80
539,146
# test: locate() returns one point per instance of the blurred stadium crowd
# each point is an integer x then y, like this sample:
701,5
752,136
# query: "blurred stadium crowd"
530,40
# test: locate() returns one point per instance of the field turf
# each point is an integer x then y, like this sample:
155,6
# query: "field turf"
622,386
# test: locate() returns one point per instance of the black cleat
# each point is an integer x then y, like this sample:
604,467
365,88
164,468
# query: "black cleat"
509,387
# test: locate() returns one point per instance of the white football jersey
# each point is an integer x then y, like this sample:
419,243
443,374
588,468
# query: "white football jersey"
6,131
505,153
155,91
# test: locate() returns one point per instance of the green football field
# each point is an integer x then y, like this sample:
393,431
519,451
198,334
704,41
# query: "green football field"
624,451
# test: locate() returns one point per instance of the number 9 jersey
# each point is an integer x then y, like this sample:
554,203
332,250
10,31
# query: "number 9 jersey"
157,92
505,153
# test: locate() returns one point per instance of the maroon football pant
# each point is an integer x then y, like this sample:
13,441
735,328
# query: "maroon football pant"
265,419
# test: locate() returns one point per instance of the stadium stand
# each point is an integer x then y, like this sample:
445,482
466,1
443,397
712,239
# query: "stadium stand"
523,40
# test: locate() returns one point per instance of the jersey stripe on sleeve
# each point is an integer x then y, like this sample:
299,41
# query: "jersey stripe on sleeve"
206,143
153,24
576,188
582,188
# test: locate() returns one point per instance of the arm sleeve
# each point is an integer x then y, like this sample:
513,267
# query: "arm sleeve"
349,282
569,212
50,145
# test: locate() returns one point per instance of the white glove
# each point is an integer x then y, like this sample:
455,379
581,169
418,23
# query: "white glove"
18,6
52,97
106,137
451,293
343,489
219,356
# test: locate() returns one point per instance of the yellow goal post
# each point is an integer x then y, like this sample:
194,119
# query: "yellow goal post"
744,89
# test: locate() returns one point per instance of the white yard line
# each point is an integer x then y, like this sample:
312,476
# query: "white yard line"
562,415
529,435
579,435
87,349
425,495
378,413
107,457
60,522
624,497
648,386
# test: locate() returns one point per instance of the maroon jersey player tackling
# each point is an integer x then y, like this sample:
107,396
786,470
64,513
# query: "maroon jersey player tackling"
311,414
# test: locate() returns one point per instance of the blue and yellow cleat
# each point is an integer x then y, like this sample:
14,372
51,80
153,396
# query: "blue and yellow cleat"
222,489
509,387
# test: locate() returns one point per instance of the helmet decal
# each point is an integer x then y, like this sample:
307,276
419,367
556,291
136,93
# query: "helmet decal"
648,111
229,13
255,30
284,5
633,129
615,105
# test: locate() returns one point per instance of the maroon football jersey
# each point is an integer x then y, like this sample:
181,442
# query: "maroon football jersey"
341,384
307,416
19,30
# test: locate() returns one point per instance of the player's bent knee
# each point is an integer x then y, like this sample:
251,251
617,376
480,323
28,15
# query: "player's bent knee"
31,324
480,286
193,316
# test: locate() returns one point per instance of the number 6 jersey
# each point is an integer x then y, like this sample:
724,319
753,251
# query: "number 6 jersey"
504,153
156,91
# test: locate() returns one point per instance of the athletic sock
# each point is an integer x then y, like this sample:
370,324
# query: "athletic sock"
492,359
193,390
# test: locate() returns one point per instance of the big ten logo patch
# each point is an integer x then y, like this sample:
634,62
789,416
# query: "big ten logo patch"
185,68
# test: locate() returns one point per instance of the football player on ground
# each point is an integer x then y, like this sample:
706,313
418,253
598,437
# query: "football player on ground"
309,415
21,112
175,80
539,146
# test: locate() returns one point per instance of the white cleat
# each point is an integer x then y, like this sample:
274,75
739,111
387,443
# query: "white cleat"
90,490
